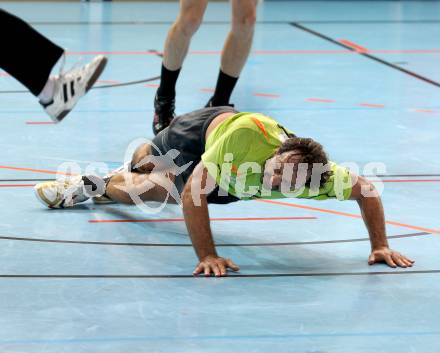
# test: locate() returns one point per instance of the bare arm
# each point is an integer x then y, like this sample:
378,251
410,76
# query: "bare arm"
372,211
195,211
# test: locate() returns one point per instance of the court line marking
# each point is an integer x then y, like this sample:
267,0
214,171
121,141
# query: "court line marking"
133,221
15,185
230,275
346,214
373,181
315,242
44,171
166,220
372,105
409,181
215,338
266,95
32,179
288,336
349,107
269,52
401,181
63,23
430,111
121,84
320,100
367,55
367,176
354,46
40,123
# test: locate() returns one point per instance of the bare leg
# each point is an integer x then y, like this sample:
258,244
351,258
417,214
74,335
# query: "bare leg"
235,50
176,48
177,43
132,187
147,182
239,41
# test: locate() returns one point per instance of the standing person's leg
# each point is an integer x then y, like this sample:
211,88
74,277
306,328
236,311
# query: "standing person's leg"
236,50
26,55
30,57
176,47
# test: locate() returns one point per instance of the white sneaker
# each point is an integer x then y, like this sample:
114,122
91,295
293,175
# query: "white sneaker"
71,86
61,193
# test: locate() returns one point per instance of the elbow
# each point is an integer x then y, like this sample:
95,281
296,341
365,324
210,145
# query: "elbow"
365,190
192,198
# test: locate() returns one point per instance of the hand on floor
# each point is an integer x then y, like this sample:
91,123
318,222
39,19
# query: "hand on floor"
390,257
215,265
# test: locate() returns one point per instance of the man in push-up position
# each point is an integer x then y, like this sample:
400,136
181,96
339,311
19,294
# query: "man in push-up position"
218,155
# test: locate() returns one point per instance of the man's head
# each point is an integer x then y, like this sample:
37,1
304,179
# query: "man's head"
293,163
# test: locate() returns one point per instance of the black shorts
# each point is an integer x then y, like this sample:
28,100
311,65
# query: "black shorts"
186,134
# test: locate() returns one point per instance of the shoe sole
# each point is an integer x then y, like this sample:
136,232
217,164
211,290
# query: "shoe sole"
42,198
98,201
100,68
97,73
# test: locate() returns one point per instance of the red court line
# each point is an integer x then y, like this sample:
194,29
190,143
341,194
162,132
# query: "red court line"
166,220
35,170
267,95
430,111
384,181
353,45
351,215
290,52
151,85
320,100
15,185
272,52
40,123
372,105
210,90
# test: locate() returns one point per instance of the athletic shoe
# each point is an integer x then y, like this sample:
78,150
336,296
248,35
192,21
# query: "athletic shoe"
163,113
71,86
61,193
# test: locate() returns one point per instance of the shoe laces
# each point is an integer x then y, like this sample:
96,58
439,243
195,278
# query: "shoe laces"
77,66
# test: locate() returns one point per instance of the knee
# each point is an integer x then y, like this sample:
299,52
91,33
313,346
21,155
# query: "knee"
189,23
139,162
244,23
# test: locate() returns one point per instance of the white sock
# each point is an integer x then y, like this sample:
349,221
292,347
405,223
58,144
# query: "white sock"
47,93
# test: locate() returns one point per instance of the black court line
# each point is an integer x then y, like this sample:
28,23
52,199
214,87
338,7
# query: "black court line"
134,23
154,51
6,180
231,275
367,176
83,242
369,56
129,83
400,175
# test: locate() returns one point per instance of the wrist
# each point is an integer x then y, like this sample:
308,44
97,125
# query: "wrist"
208,256
379,247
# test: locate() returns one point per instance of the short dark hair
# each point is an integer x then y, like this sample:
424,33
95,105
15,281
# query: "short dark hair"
310,152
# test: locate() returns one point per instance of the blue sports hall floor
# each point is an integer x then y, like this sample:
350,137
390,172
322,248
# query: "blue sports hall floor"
363,78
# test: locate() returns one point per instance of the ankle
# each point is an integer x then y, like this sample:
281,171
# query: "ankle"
48,90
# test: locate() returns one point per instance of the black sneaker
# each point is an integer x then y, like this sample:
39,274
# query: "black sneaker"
211,104
163,113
